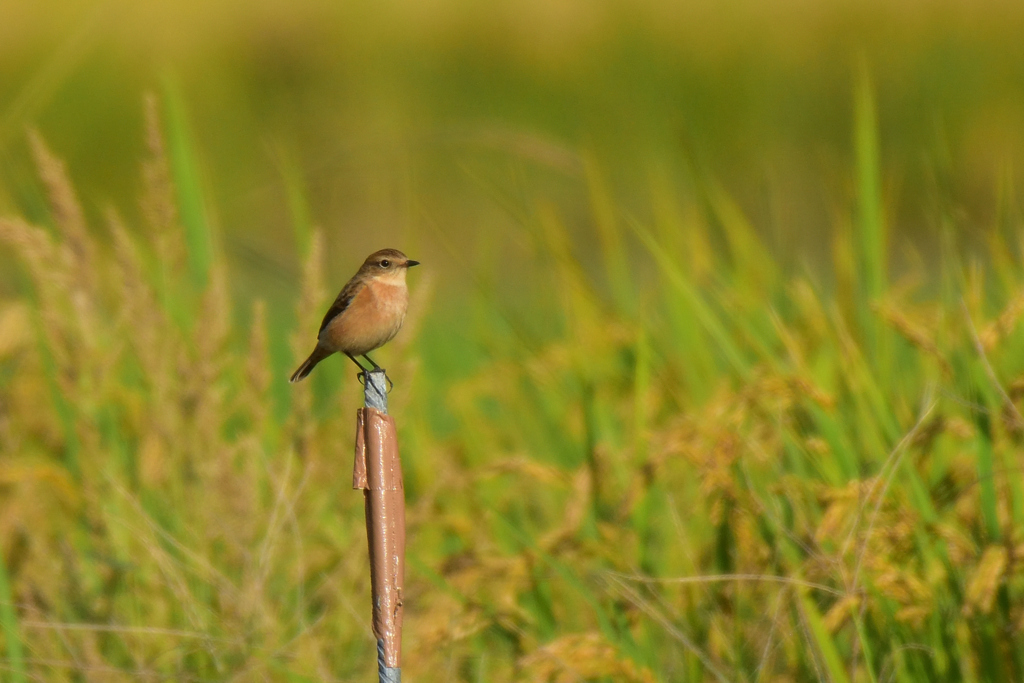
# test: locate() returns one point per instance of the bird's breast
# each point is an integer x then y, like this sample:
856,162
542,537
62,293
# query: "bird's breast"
371,320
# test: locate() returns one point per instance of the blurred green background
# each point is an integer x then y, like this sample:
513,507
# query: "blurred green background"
712,371
397,118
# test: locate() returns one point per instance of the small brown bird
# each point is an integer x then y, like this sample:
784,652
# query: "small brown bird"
367,314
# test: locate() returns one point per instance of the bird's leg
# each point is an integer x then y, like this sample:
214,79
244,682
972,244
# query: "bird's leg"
358,364
362,370
377,367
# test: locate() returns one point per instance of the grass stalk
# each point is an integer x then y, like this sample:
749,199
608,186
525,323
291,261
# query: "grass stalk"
12,633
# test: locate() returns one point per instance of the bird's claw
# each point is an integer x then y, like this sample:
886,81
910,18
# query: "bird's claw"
361,377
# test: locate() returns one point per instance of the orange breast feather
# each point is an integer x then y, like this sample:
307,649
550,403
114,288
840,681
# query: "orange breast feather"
371,320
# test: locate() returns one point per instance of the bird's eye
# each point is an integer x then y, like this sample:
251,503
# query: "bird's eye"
385,263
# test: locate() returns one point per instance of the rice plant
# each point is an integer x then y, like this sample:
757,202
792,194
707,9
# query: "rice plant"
683,463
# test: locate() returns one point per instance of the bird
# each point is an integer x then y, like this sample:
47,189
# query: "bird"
367,313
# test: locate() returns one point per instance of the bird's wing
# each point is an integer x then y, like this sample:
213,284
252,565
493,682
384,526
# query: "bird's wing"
341,303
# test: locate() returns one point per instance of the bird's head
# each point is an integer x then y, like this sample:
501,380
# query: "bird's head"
389,265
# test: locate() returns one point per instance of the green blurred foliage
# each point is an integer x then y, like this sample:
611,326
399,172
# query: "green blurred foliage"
712,371
379,109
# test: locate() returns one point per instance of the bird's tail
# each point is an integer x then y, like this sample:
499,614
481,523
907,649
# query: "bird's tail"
307,365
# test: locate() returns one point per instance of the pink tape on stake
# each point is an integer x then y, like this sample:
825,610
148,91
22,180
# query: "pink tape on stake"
378,472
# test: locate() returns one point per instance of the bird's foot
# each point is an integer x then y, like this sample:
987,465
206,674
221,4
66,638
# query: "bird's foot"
362,377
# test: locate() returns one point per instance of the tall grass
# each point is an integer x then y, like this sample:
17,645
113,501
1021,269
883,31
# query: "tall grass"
707,469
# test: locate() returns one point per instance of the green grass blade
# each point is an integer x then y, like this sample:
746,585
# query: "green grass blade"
609,233
986,478
64,409
188,184
865,643
871,238
823,640
753,270
298,201
12,634
702,311
870,221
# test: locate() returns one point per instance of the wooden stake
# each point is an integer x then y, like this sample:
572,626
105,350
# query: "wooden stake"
378,472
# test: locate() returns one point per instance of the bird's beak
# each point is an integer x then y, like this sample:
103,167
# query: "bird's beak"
410,264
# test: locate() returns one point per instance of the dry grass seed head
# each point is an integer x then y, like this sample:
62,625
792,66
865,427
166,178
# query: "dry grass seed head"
581,657
158,204
67,212
840,612
211,332
74,258
985,579
446,622
311,298
913,331
308,312
157,344
257,365
53,282
905,588
844,507
15,328
576,508
142,320
1002,326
